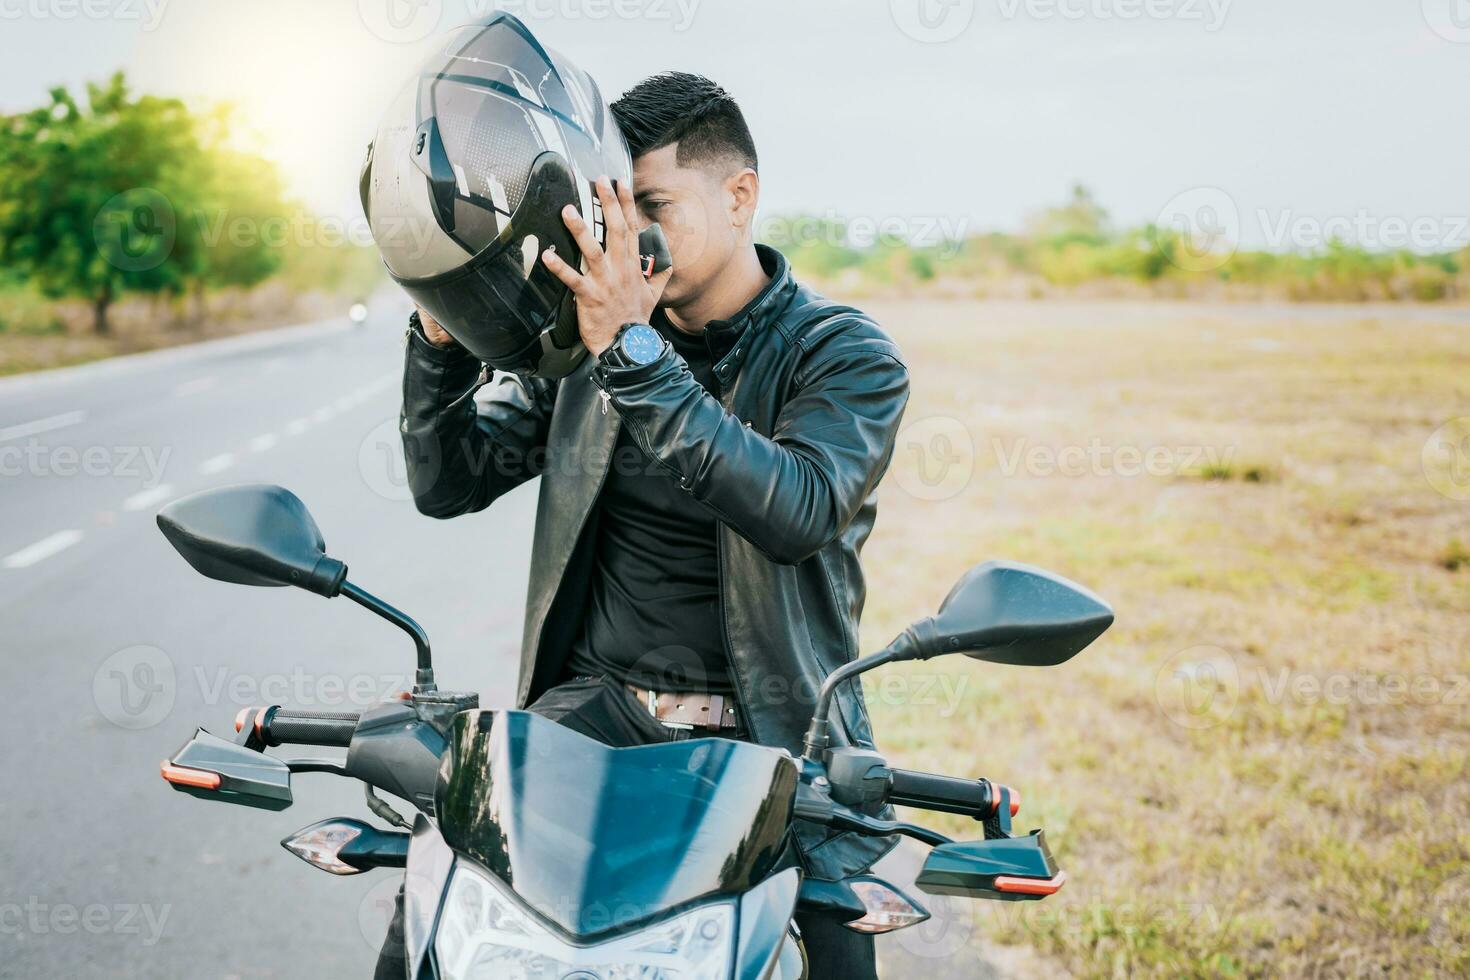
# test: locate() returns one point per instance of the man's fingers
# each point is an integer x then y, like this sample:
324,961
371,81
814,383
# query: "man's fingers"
630,211
559,268
612,219
582,234
658,281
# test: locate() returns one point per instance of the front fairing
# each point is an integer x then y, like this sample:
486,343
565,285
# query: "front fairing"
596,839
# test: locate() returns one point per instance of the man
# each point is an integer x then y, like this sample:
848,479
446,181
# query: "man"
708,474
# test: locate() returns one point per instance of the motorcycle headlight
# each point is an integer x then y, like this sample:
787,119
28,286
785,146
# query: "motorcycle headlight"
483,935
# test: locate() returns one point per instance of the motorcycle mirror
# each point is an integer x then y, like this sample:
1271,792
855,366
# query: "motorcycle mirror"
1009,613
1003,612
254,534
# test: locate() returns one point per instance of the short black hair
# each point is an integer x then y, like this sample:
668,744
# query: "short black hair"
691,110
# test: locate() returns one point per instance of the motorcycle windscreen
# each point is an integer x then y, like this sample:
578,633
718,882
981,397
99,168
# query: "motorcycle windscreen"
596,838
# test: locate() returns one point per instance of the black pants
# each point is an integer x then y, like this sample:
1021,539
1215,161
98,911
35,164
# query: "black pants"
602,708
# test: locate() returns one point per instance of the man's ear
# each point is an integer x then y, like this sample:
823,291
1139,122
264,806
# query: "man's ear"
744,189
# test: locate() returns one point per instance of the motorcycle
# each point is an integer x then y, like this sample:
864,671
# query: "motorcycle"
536,852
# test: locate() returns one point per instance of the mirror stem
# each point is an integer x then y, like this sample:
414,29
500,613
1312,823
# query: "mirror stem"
818,735
423,681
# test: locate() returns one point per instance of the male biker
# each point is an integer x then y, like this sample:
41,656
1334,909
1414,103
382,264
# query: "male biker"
708,470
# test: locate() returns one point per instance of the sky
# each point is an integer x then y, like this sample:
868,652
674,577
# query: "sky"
1289,118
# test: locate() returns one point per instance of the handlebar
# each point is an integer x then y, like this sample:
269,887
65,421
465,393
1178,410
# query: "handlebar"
977,798
276,725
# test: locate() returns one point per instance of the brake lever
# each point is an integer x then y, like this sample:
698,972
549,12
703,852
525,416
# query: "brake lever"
815,804
332,766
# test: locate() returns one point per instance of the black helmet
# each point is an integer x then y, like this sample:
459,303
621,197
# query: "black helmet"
466,181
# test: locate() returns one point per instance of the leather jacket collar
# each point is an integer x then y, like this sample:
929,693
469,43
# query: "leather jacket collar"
729,340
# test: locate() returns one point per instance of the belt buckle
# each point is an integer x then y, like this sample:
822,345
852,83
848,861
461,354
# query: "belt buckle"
653,713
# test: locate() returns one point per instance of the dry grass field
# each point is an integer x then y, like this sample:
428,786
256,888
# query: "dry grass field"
1261,770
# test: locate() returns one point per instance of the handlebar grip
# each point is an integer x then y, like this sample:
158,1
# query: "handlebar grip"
309,727
947,794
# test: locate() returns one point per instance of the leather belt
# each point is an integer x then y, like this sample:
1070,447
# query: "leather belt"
713,712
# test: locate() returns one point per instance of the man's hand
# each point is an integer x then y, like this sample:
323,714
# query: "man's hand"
434,333
613,291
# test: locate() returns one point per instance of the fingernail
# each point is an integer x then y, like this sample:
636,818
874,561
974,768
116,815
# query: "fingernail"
568,211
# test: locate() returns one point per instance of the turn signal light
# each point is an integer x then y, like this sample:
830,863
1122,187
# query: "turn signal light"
319,845
887,909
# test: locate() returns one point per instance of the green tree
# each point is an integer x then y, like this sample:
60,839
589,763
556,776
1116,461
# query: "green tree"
241,215
90,194
121,194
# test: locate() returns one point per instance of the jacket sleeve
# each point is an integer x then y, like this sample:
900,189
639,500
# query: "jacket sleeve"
796,491
462,455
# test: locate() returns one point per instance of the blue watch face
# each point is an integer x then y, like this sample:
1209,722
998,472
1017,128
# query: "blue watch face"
641,344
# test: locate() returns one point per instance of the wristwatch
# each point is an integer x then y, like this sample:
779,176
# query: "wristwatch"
637,344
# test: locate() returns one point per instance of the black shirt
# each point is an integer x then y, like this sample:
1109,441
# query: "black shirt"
653,615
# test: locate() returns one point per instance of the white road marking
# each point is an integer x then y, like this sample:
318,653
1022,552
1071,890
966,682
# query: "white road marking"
194,387
297,426
41,425
43,549
217,464
147,498
261,443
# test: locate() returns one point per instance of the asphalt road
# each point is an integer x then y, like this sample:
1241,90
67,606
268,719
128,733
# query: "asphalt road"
114,650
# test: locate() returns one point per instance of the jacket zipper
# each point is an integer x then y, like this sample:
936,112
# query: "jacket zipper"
577,538
742,705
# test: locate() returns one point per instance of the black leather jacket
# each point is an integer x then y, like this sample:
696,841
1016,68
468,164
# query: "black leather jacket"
788,456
